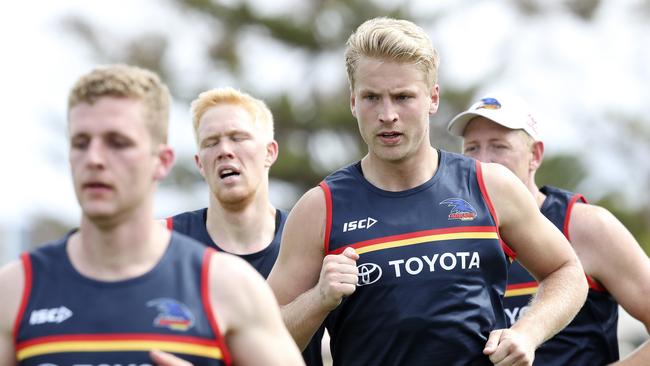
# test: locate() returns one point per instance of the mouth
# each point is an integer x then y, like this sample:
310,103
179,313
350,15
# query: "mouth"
389,134
390,137
94,186
228,172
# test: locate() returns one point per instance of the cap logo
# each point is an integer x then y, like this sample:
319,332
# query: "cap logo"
532,123
488,103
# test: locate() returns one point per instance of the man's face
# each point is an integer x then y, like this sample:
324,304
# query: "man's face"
490,142
234,154
392,104
114,165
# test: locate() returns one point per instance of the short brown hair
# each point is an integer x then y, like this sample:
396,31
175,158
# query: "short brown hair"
126,81
393,39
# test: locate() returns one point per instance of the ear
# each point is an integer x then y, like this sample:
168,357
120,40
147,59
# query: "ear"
537,149
198,164
435,99
353,103
166,158
272,151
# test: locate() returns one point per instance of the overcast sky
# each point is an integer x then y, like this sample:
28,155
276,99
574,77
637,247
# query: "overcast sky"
575,74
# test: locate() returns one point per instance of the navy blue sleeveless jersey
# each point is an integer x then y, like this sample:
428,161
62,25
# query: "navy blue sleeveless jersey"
192,224
590,339
67,319
432,268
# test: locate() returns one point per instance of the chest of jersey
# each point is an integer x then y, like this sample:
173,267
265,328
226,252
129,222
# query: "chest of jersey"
70,320
430,259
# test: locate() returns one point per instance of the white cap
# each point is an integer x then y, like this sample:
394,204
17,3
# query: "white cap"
508,111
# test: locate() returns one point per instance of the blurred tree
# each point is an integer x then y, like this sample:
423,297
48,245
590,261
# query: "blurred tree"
314,127
564,171
316,133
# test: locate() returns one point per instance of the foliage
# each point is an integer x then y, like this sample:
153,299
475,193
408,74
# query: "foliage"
315,123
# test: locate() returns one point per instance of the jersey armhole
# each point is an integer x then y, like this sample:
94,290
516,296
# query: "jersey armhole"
27,289
593,283
170,223
328,216
479,176
567,215
207,305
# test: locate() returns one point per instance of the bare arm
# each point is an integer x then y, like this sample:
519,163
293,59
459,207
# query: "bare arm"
547,255
306,282
611,255
12,279
248,315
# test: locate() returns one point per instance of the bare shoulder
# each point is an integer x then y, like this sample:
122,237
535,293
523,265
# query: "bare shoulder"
306,223
12,283
498,179
236,289
612,256
234,277
507,193
305,227
596,235
249,314
302,249
591,220
311,206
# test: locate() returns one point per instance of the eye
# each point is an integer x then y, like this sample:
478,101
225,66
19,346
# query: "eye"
80,142
371,97
239,137
209,142
117,141
403,97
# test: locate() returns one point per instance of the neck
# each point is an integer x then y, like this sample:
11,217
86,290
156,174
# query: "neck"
242,229
400,175
123,250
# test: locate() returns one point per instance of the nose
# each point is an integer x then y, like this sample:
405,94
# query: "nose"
387,112
95,155
225,151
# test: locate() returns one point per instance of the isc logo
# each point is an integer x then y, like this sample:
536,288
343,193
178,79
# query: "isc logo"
54,315
359,224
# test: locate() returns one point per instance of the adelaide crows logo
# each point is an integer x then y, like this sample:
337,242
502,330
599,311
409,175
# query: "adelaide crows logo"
173,314
460,209
488,103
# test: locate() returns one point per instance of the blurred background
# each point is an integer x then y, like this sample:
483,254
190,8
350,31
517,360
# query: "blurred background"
581,64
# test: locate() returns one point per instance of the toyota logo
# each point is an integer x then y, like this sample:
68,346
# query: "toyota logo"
369,273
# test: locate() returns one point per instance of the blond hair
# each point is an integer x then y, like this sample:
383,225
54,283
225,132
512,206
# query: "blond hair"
257,109
126,81
392,39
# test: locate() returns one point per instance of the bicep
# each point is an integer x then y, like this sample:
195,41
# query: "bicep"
612,256
255,332
539,245
301,252
266,335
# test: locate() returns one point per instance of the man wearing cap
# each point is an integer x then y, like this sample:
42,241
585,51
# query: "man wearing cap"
501,129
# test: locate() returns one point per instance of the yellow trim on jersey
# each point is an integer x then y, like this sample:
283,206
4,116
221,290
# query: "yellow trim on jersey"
119,346
521,291
427,239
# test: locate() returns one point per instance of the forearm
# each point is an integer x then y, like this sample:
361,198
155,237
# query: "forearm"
559,298
304,316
